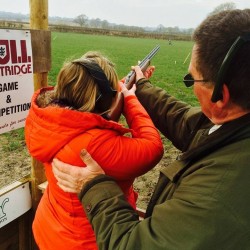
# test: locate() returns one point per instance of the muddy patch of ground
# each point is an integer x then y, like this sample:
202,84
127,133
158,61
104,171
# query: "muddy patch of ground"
15,162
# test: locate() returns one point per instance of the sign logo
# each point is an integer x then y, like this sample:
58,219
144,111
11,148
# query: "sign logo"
2,213
15,202
16,78
9,51
14,58
3,49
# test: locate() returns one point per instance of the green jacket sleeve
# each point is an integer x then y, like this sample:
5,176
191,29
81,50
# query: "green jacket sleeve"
190,220
105,204
175,119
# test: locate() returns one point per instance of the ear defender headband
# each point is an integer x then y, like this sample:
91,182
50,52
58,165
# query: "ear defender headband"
104,100
239,42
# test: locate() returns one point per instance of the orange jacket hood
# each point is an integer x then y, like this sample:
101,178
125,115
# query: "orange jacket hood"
48,129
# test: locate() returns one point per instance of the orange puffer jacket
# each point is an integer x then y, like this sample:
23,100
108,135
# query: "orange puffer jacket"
60,221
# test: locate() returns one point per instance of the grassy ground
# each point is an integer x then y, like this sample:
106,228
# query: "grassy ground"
171,65
171,61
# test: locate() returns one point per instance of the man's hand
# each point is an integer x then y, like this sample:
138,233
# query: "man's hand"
149,71
139,74
72,178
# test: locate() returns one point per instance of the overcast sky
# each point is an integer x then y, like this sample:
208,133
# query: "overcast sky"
169,13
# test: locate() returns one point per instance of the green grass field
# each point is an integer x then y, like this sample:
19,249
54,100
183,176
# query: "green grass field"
125,52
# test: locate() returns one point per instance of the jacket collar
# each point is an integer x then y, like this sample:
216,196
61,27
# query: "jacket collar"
228,133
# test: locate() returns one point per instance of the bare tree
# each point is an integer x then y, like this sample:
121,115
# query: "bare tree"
95,23
81,20
223,6
105,24
160,28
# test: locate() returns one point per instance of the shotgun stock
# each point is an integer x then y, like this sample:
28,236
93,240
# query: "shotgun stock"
116,111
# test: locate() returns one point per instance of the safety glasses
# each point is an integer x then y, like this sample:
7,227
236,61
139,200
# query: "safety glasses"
189,80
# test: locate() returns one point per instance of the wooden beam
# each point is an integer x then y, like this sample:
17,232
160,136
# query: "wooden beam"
41,50
39,21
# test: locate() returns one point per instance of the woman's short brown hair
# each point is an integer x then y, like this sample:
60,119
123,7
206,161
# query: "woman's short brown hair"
76,87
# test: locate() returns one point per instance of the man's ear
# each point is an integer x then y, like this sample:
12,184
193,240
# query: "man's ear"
225,97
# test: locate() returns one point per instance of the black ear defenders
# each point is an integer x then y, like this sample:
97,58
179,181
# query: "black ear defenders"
239,42
104,100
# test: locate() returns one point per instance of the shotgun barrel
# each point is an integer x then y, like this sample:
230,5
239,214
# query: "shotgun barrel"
116,111
143,65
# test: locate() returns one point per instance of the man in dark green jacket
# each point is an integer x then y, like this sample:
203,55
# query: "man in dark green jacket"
202,199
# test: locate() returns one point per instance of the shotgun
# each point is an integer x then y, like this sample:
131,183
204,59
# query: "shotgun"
116,111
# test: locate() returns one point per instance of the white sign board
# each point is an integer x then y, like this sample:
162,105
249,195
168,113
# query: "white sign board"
16,78
15,202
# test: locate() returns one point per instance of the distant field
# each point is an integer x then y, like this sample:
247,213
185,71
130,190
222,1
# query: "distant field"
124,52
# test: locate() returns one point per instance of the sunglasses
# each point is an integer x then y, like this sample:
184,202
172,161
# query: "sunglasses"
189,80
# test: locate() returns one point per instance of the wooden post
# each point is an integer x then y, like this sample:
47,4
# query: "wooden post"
38,21
39,14
41,61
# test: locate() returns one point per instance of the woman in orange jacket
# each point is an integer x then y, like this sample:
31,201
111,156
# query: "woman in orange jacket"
71,116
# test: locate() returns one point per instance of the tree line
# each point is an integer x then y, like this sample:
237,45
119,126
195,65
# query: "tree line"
82,21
